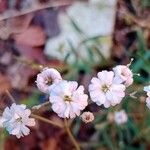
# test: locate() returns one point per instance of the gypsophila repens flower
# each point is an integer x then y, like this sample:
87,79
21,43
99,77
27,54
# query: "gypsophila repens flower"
120,117
147,89
87,117
1,122
46,78
16,119
123,74
68,99
104,91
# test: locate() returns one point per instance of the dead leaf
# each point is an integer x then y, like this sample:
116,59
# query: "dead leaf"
34,36
50,144
4,84
14,25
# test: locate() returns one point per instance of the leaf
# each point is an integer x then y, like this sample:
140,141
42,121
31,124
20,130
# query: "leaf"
34,36
4,84
14,25
50,144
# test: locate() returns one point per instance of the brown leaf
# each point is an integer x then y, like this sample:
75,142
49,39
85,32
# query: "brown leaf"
50,144
4,84
34,36
14,25
19,75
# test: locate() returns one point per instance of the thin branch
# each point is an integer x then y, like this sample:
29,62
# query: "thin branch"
46,120
38,7
10,96
40,105
75,143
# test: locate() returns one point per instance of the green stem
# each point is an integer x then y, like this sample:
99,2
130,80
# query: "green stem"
141,134
75,143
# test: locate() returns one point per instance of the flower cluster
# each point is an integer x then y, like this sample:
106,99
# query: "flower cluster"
16,119
147,89
68,98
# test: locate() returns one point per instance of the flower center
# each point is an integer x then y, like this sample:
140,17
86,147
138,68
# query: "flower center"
105,88
48,81
67,98
19,119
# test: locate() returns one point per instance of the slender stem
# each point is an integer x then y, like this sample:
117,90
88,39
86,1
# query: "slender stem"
71,136
46,120
10,96
35,8
40,105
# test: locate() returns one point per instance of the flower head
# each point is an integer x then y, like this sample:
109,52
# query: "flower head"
16,119
148,102
123,75
121,117
46,78
147,89
103,90
87,117
68,99
1,122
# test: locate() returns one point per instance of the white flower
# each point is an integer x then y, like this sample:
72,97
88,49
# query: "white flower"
123,75
147,89
46,78
103,90
68,100
104,3
98,21
16,119
121,117
1,122
148,102
87,117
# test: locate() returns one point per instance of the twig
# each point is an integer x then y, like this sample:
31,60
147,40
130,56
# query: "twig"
141,23
38,7
40,105
10,96
71,136
46,120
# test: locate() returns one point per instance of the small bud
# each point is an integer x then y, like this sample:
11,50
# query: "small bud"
128,65
87,117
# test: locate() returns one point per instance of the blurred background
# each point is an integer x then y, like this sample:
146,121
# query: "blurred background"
78,38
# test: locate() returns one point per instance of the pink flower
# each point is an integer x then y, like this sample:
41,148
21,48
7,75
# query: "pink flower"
68,99
121,117
46,78
87,117
103,90
123,75
16,119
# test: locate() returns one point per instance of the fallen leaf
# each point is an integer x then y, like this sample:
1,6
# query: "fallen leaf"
4,84
34,36
50,144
